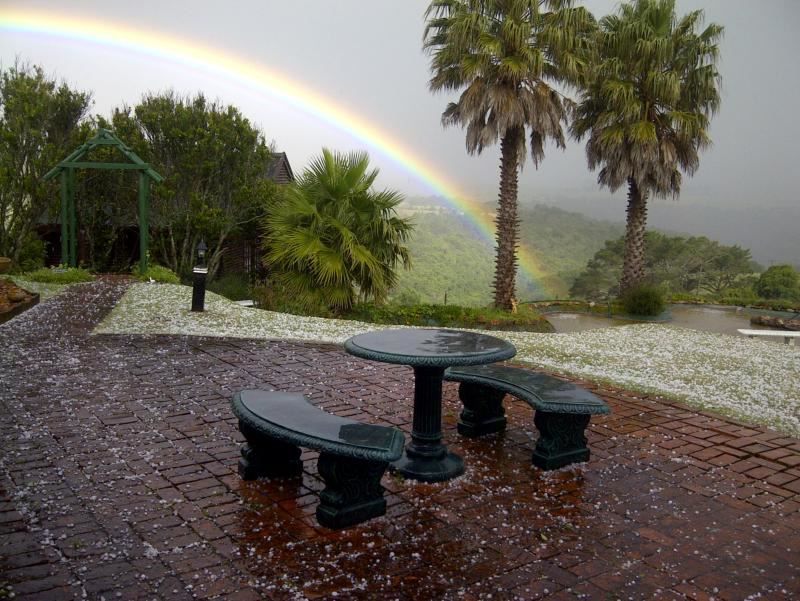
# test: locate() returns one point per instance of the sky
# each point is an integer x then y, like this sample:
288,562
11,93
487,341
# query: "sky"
366,58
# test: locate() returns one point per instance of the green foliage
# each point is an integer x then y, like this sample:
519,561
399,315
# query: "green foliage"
507,57
451,316
675,263
38,123
564,242
449,256
647,105
157,273
271,295
331,238
779,281
31,254
234,286
741,295
213,161
106,205
59,275
645,300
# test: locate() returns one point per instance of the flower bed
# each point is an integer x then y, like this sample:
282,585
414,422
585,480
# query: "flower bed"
14,300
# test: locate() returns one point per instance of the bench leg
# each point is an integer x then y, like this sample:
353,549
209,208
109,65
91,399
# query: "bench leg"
483,410
561,439
266,457
353,491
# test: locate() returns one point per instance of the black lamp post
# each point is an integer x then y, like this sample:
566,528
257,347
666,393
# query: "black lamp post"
199,282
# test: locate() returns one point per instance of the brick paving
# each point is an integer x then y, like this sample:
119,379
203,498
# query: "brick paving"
118,481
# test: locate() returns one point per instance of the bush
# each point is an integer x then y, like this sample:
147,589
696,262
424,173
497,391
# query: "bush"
645,300
234,286
271,296
31,255
59,275
157,273
741,296
452,316
779,281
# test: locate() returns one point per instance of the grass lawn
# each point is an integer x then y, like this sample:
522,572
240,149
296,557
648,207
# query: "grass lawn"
754,380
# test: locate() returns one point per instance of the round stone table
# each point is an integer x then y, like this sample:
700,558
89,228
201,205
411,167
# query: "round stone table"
429,352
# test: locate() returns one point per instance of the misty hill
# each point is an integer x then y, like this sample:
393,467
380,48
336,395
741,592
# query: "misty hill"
771,233
449,256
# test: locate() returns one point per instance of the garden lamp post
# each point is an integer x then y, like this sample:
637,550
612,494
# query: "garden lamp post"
199,282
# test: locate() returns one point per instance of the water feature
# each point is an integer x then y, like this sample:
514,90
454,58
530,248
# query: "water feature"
706,318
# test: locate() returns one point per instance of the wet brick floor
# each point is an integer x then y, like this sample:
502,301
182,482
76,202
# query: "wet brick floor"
118,481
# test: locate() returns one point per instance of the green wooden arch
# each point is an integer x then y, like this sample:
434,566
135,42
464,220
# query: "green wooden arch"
67,167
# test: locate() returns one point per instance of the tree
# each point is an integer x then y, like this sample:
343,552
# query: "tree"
506,56
675,264
331,238
39,121
779,281
214,165
647,109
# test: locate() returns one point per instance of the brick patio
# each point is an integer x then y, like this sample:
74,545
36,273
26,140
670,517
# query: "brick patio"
118,481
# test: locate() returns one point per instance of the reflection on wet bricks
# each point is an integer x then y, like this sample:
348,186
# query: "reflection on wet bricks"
118,459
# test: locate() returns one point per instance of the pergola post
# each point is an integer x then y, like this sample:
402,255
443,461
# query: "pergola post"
144,201
64,219
73,219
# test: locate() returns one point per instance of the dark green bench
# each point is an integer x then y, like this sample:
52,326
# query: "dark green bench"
353,456
562,409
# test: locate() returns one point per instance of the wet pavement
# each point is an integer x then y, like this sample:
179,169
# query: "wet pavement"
118,481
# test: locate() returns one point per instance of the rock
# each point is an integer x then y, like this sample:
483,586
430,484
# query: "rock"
776,322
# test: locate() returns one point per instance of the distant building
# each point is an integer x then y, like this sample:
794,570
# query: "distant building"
243,254
279,170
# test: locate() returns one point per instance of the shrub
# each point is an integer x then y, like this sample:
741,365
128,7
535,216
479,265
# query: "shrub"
779,281
31,255
59,275
645,299
233,286
272,296
742,296
157,273
453,316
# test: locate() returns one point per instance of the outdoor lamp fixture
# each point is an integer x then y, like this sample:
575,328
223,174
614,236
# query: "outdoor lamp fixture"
199,281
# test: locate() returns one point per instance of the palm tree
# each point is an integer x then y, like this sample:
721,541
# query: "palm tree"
647,109
506,55
331,238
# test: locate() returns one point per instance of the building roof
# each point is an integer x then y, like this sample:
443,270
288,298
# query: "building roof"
279,170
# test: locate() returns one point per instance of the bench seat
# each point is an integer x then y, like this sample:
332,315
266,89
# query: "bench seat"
787,335
563,409
353,456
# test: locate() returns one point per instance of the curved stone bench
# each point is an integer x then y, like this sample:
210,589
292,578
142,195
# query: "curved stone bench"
563,410
353,456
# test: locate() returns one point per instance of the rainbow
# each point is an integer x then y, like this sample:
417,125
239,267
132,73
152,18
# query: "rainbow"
274,83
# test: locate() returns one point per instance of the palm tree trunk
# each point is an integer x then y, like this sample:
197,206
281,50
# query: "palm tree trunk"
506,221
635,227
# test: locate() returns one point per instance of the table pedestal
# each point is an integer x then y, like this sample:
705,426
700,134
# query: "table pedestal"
425,457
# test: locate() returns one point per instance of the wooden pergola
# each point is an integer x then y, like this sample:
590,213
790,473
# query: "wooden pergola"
67,167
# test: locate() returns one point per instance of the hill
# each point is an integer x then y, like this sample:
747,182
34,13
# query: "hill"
769,232
449,255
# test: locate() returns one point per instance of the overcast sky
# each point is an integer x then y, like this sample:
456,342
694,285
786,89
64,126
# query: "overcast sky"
366,55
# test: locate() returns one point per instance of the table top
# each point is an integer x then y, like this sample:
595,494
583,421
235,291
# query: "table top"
421,347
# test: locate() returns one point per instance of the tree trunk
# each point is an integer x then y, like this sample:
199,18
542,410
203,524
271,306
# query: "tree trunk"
635,227
506,221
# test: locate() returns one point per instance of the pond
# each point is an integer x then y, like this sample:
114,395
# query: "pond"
706,318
